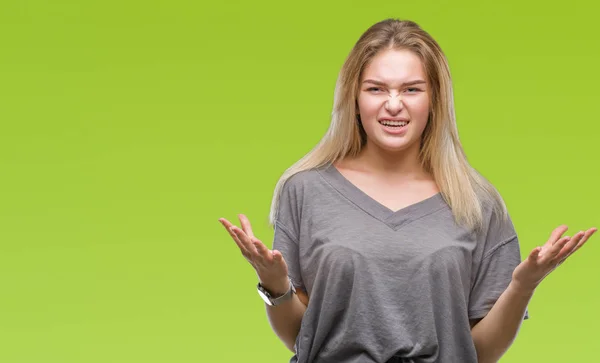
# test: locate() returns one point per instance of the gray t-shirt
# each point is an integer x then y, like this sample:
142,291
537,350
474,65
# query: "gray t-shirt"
387,286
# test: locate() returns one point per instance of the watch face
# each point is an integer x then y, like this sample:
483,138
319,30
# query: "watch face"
265,297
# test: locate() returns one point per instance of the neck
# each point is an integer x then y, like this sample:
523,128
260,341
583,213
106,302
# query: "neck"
402,165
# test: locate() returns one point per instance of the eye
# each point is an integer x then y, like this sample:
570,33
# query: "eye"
413,90
373,89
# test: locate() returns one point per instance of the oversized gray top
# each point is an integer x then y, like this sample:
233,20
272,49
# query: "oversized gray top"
387,286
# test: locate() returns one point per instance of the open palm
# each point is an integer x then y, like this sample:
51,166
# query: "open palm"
545,259
270,265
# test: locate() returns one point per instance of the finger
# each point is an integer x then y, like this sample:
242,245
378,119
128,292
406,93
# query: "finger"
550,247
587,236
556,233
568,248
225,223
240,244
263,251
228,227
560,246
244,240
277,256
246,225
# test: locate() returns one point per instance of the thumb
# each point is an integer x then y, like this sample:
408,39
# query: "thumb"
277,256
533,256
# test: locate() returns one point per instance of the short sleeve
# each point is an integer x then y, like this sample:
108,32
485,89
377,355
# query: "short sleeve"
494,272
286,235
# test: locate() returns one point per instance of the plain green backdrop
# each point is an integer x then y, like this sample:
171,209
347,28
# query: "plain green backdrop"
127,128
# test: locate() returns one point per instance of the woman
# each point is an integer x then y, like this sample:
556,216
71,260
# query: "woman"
388,245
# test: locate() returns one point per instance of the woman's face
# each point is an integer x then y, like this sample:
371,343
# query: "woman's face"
393,100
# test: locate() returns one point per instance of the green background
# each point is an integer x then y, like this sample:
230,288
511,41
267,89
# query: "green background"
128,128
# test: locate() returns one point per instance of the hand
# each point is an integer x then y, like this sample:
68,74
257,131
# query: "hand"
270,266
543,260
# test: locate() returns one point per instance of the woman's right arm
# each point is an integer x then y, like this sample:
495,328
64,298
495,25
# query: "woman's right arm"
272,272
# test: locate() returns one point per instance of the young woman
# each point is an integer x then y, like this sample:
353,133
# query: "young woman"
388,245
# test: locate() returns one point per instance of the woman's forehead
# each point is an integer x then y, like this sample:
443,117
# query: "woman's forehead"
394,66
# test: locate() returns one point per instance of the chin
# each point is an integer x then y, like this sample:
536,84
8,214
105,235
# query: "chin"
394,147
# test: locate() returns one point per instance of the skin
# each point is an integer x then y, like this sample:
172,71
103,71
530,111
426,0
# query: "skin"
546,258
388,90
495,333
286,318
270,266
392,86
389,160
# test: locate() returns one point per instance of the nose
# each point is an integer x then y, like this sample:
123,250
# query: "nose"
394,104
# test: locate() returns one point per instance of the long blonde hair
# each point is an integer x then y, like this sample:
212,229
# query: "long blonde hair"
441,153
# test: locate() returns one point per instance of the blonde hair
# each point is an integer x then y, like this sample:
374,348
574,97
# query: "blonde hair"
441,153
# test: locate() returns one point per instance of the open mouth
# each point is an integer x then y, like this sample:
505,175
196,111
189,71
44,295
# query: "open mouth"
394,124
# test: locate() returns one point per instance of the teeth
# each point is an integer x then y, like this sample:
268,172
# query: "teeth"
393,123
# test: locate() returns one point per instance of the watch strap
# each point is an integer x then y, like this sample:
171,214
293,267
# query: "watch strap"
274,301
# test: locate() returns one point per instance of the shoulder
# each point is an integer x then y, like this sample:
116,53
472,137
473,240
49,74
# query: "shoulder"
297,191
298,187
491,202
496,221
300,181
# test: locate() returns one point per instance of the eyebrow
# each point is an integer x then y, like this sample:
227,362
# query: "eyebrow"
379,83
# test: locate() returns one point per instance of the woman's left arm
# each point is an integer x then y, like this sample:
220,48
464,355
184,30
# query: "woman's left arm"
494,334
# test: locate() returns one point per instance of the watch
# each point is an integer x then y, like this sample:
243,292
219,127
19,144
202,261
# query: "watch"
274,301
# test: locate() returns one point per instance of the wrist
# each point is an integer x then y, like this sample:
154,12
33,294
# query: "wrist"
276,288
275,297
521,289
